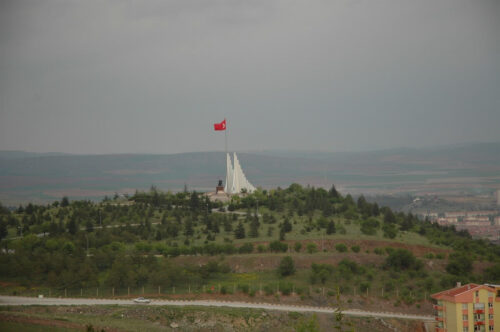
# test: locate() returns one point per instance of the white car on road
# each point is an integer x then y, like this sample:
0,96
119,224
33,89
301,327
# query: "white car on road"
141,300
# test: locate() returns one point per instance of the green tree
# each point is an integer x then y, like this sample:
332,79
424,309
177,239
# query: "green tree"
389,217
459,264
297,246
286,267
239,232
330,228
311,248
3,229
72,226
390,231
188,227
254,227
402,259
369,226
64,201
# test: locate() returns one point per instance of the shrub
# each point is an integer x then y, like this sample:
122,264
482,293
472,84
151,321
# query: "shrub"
244,288
355,249
363,287
278,246
402,259
297,246
369,226
286,288
429,255
390,231
261,248
341,247
312,248
321,272
286,267
440,255
378,251
459,264
268,290
389,250
247,248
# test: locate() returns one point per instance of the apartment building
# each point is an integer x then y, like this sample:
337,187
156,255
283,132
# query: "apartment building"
468,308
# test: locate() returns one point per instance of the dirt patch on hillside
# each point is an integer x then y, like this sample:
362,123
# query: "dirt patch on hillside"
264,262
5,317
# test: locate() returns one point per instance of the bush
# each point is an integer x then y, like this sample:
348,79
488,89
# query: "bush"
402,259
390,231
364,286
459,264
268,290
355,249
341,247
261,248
286,288
378,251
297,246
369,226
278,246
440,255
429,255
389,250
286,267
244,288
312,248
321,272
247,248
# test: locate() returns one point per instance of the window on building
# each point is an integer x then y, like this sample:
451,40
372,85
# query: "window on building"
464,306
490,294
490,316
466,329
465,317
490,304
477,293
492,328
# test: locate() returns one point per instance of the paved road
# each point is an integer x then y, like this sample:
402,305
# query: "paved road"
18,300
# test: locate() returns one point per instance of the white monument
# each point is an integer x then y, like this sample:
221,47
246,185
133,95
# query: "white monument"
236,181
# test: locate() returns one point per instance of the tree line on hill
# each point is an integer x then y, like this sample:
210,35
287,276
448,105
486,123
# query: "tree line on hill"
114,242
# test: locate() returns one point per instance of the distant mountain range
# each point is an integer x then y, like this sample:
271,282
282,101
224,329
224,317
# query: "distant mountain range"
474,168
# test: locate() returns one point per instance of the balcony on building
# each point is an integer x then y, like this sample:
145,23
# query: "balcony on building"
437,307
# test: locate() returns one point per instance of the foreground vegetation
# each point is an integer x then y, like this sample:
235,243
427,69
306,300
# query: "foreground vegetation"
145,318
298,240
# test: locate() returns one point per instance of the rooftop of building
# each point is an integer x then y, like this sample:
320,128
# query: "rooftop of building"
461,293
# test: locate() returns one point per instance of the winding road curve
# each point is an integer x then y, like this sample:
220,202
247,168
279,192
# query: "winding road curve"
18,300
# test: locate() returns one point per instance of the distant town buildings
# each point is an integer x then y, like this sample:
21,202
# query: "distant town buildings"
479,224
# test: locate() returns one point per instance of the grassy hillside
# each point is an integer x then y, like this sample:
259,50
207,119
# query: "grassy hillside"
298,245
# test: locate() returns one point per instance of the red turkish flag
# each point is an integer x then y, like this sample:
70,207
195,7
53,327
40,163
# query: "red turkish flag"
220,126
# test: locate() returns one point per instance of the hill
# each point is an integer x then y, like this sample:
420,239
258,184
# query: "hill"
299,245
42,178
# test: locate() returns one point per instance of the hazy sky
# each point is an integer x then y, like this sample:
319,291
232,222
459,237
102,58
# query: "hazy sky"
153,76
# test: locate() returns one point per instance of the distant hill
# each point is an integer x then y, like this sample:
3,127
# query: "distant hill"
47,177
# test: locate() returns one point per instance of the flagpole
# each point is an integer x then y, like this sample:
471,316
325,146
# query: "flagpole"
225,136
